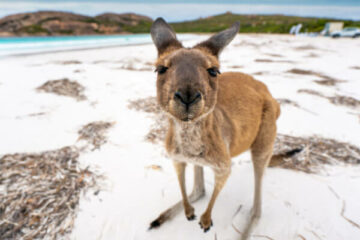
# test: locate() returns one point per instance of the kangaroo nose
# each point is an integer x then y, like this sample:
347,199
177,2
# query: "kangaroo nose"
188,98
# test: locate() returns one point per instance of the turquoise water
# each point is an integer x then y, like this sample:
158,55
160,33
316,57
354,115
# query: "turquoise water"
27,45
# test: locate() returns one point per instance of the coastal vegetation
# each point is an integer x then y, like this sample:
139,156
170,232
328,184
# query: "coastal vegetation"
63,23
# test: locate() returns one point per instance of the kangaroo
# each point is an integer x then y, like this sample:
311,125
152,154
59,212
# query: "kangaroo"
212,117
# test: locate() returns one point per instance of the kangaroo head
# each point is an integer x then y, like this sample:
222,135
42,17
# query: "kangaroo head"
187,81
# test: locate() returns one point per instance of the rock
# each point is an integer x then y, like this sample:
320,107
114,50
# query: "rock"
63,23
125,19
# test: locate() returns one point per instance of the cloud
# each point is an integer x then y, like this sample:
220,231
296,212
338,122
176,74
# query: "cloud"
178,12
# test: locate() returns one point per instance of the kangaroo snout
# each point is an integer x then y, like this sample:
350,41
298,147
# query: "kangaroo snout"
187,98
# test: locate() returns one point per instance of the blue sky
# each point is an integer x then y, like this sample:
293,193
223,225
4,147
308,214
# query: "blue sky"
176,10
283,2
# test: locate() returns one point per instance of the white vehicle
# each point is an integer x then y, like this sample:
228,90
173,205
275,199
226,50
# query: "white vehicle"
347,32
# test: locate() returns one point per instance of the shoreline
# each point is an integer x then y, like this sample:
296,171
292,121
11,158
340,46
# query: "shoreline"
131,44
66,35
87,39
69,50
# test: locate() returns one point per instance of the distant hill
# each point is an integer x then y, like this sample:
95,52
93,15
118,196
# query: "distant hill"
45,23
63,23
256,23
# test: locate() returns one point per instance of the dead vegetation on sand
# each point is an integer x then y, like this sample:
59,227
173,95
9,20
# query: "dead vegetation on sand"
306,47
337,99
236,66
131,67
260,73
312,55
64,87
158,128
40,193
288,102
285,101
148,105
274,55
311,153
94,133
265,60
135,64
245,43
306,154
325,79
37,114
68,62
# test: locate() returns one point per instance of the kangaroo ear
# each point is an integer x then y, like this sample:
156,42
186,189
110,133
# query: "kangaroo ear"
163,36
219,41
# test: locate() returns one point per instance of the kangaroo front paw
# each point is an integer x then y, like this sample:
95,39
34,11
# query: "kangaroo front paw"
205,223
190,213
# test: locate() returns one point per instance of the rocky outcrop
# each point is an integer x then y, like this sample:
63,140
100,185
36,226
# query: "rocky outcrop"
63,23
124,19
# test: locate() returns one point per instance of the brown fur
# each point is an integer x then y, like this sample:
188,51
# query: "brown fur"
235,113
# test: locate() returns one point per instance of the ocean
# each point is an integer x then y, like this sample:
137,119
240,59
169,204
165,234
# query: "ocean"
29,45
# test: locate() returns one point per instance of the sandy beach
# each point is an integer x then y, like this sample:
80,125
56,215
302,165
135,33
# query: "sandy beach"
316,80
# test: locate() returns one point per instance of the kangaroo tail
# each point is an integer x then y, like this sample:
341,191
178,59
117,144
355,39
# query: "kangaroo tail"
278,159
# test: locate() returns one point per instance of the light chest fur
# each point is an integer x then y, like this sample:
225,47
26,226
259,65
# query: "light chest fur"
189,145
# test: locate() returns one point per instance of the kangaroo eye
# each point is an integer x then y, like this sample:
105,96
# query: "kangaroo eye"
213,71
161,69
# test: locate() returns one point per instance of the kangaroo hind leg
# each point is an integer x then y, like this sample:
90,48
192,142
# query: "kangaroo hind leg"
197,193
261,152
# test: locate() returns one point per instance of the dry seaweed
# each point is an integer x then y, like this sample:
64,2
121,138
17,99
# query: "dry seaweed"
311,92
265,60
148,105
316,152
68,62
311,153
301,71
327,82
236,66
94,133
64,87
274,55
285,101
260,73
325,79
312,55
40,193
135,64
32,115
345,101
337,99
133,68
306,47
248,44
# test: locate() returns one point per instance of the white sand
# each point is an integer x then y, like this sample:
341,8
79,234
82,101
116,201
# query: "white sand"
294,203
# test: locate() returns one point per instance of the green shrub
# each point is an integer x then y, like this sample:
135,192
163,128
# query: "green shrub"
34,29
